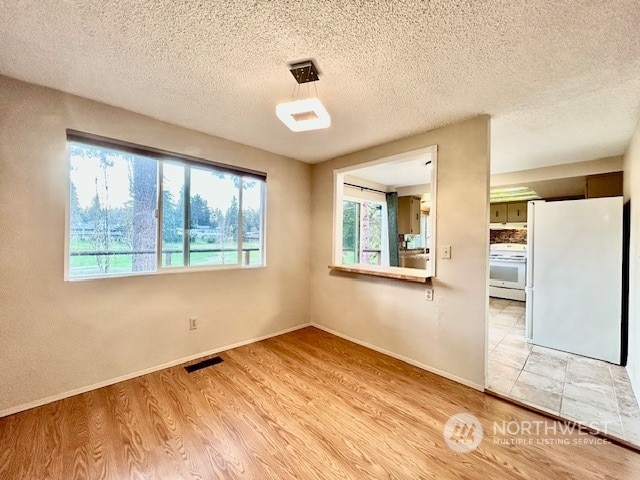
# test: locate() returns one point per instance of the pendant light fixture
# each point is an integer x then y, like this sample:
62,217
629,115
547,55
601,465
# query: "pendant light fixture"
305,114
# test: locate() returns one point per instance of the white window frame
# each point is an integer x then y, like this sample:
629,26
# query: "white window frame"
188,162
339,195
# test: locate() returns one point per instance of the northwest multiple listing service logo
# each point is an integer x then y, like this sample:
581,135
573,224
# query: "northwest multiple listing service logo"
463,432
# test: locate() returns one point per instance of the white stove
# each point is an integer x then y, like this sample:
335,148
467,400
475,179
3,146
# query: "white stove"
507,270
516,252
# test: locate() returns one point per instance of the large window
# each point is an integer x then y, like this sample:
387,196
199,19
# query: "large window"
132,211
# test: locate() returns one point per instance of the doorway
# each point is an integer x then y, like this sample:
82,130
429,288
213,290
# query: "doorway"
563,383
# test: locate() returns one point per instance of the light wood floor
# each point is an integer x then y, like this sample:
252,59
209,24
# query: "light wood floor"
303,405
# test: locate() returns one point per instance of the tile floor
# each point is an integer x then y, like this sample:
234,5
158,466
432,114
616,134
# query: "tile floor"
574,387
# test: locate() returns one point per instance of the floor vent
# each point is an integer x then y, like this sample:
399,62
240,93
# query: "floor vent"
203,364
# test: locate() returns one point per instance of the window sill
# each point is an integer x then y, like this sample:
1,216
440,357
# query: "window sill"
168,271
397,273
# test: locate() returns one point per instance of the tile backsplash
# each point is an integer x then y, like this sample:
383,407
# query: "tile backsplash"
508,236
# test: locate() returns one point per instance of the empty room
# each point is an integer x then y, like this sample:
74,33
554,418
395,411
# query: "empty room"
325,239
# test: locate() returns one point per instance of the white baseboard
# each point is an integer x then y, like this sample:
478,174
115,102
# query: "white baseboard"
106,383
408,360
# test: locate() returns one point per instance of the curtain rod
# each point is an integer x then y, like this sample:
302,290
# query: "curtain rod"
364,188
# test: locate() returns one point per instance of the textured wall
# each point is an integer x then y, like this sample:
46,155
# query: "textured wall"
632,192
57,336
448,334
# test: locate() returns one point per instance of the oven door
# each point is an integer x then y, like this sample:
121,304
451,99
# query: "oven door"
507,274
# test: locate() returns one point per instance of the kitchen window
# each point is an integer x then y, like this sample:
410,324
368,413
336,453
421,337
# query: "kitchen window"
136,211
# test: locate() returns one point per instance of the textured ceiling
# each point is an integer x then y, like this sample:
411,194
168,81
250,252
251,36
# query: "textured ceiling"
561,79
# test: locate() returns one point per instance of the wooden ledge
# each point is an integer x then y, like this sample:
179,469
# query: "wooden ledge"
398,273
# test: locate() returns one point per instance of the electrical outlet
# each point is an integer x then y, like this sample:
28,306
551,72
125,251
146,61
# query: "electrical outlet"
429,294
446,251
193,323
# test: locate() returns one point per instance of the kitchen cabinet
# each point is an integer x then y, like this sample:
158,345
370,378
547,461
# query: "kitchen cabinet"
604,185
516,212
498,213
409,215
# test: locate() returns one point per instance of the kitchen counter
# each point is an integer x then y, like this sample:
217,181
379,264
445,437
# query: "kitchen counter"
398,273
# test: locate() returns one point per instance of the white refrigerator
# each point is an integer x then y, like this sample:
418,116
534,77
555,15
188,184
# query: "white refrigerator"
574,276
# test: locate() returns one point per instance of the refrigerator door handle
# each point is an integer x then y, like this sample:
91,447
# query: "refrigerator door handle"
531,225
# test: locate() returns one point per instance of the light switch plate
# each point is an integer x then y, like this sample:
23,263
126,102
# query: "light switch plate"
446,251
